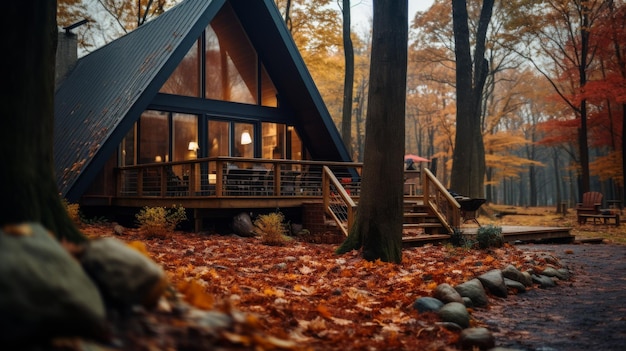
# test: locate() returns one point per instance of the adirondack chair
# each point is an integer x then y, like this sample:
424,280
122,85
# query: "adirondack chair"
592,201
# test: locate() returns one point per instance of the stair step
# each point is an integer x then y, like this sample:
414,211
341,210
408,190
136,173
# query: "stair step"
421,225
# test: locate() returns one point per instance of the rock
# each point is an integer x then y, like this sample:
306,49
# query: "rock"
513,273
562,274
242,225
124,275
453,327
468,302
543,281
118,229
474,290
446,293
427,304
494,282
515,285
455,312
44,292
476,338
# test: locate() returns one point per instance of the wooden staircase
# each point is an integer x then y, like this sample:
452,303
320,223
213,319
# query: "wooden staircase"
421,226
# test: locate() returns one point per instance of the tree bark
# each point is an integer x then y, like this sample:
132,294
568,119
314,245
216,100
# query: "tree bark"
348,82
27,182
379,219
468,159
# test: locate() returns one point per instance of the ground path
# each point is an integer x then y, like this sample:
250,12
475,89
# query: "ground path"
586,313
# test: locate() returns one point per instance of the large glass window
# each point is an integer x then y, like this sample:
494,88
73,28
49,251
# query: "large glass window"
154,134
273,142
219,137
128,147
231,61
244,140
186,78
185,137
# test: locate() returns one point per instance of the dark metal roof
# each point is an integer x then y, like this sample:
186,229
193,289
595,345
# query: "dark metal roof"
106,92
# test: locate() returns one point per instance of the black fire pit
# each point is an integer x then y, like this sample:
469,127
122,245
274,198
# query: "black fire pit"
469,208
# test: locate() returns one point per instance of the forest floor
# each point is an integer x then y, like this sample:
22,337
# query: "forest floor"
302,296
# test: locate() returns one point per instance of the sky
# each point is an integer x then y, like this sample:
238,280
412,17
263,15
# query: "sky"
362,11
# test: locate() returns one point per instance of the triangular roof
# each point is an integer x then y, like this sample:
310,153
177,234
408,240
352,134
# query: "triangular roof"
108,89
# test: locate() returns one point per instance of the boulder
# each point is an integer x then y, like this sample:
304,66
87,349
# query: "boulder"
446,293
476,339
124,275
544,281
242,225
455,312
427,304
515,285
474,290
494,282
514,274
44,292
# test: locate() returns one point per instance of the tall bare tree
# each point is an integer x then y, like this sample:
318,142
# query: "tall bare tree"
348,82
378,225
468,159
27,182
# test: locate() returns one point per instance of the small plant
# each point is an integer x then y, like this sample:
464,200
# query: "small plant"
272,229
158,221
73,211
489,236
457,239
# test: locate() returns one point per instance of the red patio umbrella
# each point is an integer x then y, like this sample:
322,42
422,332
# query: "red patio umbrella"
415,158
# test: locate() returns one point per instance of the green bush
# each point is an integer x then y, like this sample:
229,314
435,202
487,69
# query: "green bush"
457,239
272,229
158,221
489,236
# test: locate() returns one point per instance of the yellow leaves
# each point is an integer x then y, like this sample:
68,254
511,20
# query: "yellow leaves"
431,285
195,294
139,246
23,229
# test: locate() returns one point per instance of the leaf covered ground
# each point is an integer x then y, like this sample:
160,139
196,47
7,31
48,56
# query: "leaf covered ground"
302,296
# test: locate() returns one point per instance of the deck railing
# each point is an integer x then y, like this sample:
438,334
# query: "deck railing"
229,177
443,205
337,195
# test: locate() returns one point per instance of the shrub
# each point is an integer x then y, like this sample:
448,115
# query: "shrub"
73,211
489,236
457,239
158,221
272,229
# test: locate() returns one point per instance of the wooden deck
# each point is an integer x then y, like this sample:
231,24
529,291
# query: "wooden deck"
511,234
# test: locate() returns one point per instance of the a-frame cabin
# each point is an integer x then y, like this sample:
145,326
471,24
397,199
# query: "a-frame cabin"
169,109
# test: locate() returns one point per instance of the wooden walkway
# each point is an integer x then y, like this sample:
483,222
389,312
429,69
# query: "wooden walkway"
511,234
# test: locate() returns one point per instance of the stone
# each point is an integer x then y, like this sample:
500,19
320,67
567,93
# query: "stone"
494,282
44,292
124,275
476,338
561,274
427,304
543,281
515,285
513,273
468,302
446,293
474,290
455,312
242,225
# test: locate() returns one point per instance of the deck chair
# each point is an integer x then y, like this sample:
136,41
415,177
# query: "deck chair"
592,201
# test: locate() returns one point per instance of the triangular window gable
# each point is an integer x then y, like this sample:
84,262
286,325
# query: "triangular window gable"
232,69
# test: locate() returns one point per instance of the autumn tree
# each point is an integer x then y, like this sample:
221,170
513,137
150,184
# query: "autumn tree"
558,32
108,19
27,182
468,160
378,224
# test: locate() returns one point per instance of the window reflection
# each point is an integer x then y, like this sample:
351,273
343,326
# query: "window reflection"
219,132
186,78
154,134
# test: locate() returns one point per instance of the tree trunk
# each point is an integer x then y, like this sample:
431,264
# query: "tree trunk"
468,159
379,219
348,82
27,182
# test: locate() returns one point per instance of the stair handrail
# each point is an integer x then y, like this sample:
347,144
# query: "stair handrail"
335,201
441,202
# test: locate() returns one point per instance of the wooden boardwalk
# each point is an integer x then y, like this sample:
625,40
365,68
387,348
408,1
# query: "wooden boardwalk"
511,234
